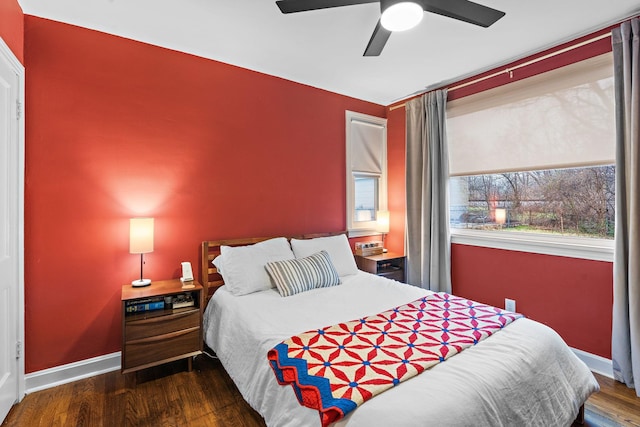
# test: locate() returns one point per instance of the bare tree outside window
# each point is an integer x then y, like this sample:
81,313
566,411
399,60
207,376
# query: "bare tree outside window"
577,201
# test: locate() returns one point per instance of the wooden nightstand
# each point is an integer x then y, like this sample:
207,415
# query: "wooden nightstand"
388,264
154,337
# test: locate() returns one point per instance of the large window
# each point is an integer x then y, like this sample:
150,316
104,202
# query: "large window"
570,202
366,138
536,157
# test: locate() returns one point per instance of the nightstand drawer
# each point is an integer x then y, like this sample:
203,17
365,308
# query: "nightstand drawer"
161,348
393,275
159,325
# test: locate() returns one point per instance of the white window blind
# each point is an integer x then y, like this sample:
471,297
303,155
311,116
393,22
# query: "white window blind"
367,149
559,119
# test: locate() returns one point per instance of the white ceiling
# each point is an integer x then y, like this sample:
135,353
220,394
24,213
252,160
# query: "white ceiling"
324,48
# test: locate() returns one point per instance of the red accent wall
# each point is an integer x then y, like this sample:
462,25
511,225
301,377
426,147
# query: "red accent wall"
573,296
396,161
118,129
12,27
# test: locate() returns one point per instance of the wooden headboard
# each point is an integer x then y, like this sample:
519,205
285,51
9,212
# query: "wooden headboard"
210,279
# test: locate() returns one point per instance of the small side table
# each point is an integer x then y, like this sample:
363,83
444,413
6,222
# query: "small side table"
161,335
389,265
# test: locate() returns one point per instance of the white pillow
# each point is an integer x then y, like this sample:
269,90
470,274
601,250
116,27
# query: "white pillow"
337,247
219,264
242,267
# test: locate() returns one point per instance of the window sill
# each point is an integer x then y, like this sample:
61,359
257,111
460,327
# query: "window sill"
363,233
567,246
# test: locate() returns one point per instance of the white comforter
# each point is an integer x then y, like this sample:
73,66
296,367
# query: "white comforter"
524,375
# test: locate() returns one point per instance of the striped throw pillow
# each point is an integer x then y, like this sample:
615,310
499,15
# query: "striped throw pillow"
302,274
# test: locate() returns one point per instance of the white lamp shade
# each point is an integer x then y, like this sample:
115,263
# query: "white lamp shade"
140,235
382,221
402,16
501,216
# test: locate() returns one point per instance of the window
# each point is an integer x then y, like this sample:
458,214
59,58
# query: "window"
570,202
533,161
366,145
366,197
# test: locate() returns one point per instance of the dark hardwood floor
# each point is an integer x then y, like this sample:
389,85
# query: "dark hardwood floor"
615,405
167,395
171,396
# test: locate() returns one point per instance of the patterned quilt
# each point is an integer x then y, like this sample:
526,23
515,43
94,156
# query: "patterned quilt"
337,368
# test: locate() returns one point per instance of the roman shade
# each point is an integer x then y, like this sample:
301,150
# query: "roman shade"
533,124
367,146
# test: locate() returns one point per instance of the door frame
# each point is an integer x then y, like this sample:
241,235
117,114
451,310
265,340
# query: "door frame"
7,55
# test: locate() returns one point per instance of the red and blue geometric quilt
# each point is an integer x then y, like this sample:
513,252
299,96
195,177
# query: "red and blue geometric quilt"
337,368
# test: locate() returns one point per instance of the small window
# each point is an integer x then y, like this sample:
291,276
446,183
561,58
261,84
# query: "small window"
366,197
366,149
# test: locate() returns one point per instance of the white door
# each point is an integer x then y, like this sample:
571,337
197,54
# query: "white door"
10,232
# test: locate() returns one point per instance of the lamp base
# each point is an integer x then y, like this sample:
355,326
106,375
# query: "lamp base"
141,282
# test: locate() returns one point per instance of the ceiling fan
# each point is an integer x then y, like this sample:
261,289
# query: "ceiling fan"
400,15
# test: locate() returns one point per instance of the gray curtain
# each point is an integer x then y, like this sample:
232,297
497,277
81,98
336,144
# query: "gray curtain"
625,348
428,250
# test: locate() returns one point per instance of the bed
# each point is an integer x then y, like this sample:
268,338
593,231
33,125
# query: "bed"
523,375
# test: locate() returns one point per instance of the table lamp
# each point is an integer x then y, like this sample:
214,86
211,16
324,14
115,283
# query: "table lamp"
141,242
382,224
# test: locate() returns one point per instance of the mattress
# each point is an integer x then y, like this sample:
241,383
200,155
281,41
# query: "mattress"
523,375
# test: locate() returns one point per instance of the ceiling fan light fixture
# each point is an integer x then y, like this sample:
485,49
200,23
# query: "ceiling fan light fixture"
401,16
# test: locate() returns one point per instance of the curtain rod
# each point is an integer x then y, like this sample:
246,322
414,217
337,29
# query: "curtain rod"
509,70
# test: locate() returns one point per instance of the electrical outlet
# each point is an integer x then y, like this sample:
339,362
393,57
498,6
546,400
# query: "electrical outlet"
510,304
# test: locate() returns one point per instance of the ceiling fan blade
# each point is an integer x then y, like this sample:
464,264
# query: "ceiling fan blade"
377,41
463,10
291,6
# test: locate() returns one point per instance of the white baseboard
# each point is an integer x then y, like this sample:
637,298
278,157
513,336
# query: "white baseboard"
63,374
595,363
